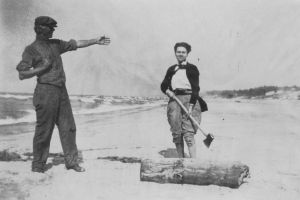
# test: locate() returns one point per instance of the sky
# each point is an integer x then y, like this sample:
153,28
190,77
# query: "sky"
236,44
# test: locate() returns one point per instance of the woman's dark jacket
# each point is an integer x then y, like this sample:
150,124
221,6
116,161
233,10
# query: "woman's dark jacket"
192,74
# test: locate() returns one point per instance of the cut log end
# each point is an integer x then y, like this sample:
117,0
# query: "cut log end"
190,171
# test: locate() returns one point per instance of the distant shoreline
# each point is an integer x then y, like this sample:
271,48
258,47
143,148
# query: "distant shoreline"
263,92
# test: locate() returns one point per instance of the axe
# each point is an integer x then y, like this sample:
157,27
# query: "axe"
208,137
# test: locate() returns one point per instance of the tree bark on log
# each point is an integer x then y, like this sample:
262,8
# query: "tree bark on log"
191,171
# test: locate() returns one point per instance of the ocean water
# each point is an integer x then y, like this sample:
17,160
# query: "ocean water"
17,108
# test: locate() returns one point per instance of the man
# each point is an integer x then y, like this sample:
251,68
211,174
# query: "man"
182,80
42,58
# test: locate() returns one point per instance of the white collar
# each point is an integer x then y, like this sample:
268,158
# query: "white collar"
183,63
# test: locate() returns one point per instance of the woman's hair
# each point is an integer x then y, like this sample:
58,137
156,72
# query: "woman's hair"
183,44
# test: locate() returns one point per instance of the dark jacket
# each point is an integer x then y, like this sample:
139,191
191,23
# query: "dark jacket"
192,74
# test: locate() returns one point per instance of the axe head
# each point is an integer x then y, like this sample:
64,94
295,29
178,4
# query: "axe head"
208,140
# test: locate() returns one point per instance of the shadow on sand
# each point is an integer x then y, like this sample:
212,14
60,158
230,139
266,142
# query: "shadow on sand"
57,158
171,153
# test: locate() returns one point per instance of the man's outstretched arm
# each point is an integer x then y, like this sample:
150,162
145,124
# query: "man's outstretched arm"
102,40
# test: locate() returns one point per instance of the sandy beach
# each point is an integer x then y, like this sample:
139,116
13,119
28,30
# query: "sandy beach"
263,134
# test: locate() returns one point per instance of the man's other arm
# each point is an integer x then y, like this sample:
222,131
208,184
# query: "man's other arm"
30,72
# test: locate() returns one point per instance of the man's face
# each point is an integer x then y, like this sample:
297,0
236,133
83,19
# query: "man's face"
181,54
48,31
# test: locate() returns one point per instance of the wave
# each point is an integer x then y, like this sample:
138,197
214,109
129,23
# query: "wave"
30,117
112,108
18,108
16,96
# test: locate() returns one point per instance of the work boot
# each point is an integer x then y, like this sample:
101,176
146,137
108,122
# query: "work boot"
38,170
180,149
76,168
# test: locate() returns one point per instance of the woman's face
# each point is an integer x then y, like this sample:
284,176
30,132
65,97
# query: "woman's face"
181,54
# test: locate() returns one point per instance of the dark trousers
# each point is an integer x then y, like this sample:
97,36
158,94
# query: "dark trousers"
52,107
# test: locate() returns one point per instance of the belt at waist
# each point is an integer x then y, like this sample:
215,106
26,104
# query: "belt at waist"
182,91
58,86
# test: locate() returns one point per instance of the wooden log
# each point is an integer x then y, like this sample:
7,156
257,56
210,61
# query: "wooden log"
191,171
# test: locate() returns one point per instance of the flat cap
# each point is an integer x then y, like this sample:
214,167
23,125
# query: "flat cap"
45,21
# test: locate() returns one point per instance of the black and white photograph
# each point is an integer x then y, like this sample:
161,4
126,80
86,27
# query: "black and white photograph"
149,100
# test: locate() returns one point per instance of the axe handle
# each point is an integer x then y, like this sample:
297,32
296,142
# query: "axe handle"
187,112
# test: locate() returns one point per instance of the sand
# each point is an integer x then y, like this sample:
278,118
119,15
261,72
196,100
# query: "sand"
263,134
